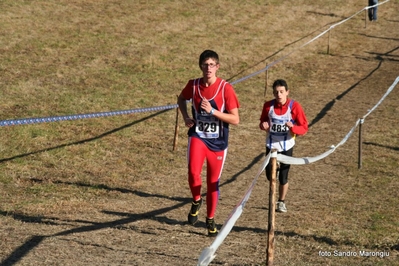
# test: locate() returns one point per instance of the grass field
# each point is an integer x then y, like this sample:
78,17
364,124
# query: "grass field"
112,191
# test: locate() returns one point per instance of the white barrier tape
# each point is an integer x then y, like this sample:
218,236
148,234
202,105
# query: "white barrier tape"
208,254
349,133
304,160
368,7
307,160
383,97
312,40
372,109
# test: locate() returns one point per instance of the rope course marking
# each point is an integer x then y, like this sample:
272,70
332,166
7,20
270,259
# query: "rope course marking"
26,121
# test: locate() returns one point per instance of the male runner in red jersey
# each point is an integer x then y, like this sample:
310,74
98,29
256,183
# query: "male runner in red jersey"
282,119
214,107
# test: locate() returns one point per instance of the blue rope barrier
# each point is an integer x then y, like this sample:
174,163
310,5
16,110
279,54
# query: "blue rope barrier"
26,121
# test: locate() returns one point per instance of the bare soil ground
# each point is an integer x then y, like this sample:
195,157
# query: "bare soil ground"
128,206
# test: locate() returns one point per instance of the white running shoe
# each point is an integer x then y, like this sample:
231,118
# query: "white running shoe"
281,207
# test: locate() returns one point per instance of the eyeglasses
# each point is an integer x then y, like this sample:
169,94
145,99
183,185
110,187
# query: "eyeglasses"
208,65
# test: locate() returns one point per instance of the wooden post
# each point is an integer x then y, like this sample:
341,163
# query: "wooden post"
328,46
272,209
176,129
267,77
359,160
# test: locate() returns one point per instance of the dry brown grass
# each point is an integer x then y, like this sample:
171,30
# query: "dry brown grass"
110,191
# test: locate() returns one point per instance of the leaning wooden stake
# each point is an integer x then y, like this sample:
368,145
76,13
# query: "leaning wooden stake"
176,129
272,209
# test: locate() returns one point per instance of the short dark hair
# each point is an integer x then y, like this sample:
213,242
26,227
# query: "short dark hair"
280,82
208,54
